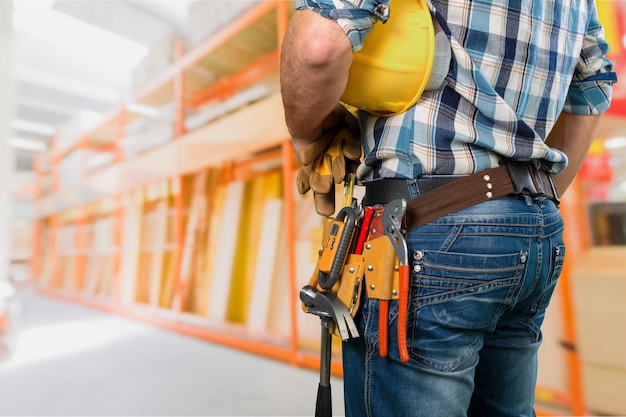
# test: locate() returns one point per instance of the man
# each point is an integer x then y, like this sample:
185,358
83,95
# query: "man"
528,81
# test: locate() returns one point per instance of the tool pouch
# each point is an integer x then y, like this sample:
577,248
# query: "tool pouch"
381,277
349,285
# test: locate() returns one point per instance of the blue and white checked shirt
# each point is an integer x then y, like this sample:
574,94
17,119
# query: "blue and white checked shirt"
516,64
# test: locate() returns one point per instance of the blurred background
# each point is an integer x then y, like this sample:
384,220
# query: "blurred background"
152,242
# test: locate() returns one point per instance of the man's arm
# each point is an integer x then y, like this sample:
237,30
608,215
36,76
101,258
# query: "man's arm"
572,134
315,59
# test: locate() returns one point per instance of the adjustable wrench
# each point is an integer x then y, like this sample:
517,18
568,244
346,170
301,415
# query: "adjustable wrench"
392,223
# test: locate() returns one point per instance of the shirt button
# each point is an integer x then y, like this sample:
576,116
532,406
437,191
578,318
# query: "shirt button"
418,255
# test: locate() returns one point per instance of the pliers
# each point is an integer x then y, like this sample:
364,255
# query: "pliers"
392,223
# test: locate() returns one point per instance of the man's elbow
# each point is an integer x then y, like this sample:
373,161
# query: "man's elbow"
318,42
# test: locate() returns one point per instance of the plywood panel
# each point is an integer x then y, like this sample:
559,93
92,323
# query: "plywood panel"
270,271
217,203
225,255
130,248
197,294
197,212
168,267
157,247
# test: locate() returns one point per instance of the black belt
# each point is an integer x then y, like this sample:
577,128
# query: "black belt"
387,189
441,196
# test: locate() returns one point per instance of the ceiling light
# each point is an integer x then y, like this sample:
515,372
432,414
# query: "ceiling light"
28,144
615,143
56,108
33,127
91,42
46,79
142,109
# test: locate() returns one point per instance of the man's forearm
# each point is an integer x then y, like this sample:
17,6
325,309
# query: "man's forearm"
572,134
315,59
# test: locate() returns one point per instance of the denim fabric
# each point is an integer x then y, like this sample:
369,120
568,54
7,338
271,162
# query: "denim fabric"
482,279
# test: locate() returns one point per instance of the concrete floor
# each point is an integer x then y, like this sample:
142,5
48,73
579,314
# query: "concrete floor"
70,360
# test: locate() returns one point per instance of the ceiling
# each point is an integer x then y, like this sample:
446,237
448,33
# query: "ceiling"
73,56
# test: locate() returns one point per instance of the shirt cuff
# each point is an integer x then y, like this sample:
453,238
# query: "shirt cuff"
590,96
355,20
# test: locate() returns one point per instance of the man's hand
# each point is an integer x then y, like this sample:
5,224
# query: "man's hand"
326,162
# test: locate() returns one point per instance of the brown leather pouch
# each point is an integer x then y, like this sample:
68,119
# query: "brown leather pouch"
381,276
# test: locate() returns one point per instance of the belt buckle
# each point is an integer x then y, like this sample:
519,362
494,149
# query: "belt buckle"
525,178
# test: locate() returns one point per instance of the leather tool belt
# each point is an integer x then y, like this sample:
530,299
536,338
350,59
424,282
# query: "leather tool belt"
442,196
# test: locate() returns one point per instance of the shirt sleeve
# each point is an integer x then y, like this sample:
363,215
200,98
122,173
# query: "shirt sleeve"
592,85
355,17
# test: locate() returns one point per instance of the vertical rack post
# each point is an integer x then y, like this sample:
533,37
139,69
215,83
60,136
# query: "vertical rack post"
577,240
81,253
37,229
121,120
179,131
282,18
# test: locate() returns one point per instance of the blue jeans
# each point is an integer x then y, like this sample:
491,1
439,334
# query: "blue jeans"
482,279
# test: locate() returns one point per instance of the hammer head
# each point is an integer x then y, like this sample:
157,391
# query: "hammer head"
328,307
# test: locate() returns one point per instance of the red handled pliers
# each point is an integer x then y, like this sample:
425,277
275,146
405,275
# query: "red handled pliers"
392,223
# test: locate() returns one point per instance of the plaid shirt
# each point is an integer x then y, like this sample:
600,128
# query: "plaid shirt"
516,64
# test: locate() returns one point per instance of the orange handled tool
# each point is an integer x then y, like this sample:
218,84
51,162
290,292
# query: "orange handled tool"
392,223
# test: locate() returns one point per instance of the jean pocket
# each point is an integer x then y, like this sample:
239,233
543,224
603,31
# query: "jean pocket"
549,284
455,299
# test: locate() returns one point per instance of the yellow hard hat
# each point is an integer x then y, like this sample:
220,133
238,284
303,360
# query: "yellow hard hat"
390,72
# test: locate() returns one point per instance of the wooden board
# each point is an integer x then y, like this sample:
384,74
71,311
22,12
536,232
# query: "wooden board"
168,266
105,277
196,298
226,251
49,256
269,267
217,203
247,241
157,248
195,221
251,242
130,249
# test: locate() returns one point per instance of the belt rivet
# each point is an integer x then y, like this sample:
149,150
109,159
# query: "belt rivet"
370,268
352,270
396,268
489,186
372,287
368,246
373,231
489,194
487,178
394,292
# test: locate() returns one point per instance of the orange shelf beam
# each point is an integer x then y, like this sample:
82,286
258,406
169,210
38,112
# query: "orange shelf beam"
227,86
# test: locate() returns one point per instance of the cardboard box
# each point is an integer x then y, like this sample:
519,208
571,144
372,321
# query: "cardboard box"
599,295
604,390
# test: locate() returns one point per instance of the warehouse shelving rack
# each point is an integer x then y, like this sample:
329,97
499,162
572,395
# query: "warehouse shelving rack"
242,54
